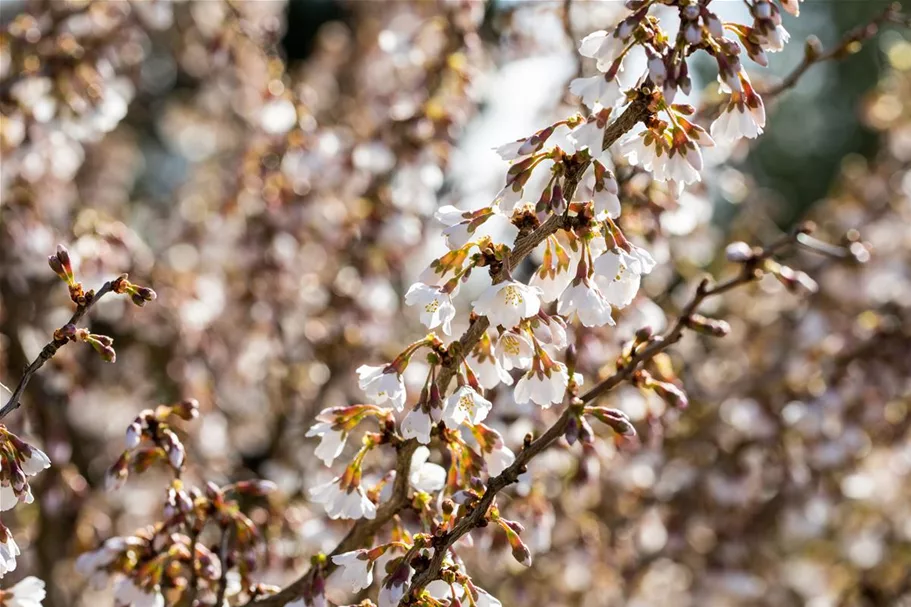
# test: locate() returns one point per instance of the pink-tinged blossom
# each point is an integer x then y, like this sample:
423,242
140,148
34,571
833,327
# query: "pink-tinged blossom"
417,424
508,303
382,384
606,47
743,116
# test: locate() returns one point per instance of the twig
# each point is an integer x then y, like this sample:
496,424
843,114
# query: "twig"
849,44
50,350
223,555
478,513
364,529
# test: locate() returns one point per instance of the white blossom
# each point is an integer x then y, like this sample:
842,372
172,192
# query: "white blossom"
382,384
417,424
738,120
423,475
35,462
465,406
393,588
489,371
543,388
128,593
618,275
597,90
356,570
604,46
350,503
514,350
9,550
462,227
499,459
435,306
508,302
29,592
585,299
332,441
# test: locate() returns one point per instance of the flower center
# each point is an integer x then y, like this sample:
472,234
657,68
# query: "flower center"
433,306
513,296
466,404
511,345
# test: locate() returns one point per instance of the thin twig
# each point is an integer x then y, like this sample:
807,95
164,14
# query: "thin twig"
223,555
364,529
478,513
50,350
848,45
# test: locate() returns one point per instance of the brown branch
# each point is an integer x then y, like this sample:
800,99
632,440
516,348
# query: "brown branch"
849,44
50,350
223,555
364,529
476,516
361,533
638,110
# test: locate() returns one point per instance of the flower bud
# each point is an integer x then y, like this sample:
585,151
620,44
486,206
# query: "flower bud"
739,252
133,435
708,326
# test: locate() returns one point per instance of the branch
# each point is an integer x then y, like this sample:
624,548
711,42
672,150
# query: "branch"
50,350
638,110
478,513
358,536
849,44
364,529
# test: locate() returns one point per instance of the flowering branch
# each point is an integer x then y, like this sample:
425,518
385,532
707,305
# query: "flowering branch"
751,271
60,263
639,110
849,44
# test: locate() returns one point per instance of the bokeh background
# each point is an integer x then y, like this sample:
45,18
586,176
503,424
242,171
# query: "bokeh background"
271,169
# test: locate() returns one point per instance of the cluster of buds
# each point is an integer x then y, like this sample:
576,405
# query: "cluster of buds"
163,444
203,533
138,295
101,343
62,266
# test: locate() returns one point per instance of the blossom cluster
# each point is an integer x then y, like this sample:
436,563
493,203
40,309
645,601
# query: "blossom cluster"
562,196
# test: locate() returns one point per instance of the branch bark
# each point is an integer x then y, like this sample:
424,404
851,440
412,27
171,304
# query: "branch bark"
49,351
363,530
478,513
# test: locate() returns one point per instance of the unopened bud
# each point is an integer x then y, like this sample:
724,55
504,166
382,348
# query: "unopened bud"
708,326
133,435
739,252
572,430
187,409
644,334
812,49
671,394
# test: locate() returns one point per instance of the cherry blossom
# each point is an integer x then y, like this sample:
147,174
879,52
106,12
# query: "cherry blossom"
28,592
465,406
434,305
382,384
332,440
356,569
9,550
126,592
423,475
514,350
347,503
508,302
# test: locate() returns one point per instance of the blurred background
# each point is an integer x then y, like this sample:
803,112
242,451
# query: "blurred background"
271,169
